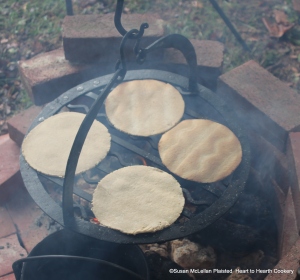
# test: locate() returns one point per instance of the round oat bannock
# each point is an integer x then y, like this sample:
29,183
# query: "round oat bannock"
200,150
47,147
138,199
144,107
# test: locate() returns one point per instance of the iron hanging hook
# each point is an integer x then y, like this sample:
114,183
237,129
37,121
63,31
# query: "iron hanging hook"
119,26
121,63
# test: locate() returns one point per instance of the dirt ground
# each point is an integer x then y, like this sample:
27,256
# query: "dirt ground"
270,29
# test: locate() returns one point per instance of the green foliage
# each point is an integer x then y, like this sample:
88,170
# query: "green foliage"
270,57
40,20
24,99
32,18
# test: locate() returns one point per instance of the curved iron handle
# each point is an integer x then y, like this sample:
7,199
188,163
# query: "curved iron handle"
67,199
17,268
182,44
119,26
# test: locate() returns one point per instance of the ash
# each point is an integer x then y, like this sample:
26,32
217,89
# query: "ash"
243,239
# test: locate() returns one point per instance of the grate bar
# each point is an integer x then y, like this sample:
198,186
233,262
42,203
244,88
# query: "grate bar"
137,150
60,182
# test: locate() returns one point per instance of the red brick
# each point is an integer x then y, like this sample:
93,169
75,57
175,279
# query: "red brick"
296,5
9,166
262,102
289,261
6,224
8,277
3,138
19,124
10,252
209,60
48,75
278,198
293,155
289,230
32,223
268,160
272,193
94,37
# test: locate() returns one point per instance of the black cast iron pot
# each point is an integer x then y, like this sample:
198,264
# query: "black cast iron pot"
68,255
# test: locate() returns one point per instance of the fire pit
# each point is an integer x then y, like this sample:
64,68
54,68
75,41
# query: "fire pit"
205,203
200,103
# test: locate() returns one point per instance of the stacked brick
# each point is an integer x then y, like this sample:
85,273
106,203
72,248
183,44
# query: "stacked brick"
19,231
91,49
269,111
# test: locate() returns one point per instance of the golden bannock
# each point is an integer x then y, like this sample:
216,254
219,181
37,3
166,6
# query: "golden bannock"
144,107
138,199
47,147
200,150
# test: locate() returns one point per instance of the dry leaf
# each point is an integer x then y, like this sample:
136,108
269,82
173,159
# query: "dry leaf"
197,4
24,7
253,39
7,110
37,47
3,41
86,3
276,30
294,69
281,17
126,10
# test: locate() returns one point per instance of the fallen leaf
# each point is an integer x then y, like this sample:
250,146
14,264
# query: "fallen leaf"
276,30
37,47
7,110
126,10
253,39
3,41
24,7
281,17
197,4
87,3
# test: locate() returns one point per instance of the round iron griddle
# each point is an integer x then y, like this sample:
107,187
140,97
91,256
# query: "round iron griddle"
213,108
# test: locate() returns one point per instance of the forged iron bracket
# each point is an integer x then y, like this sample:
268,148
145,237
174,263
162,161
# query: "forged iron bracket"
119,26
180,43
137,34
175,41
